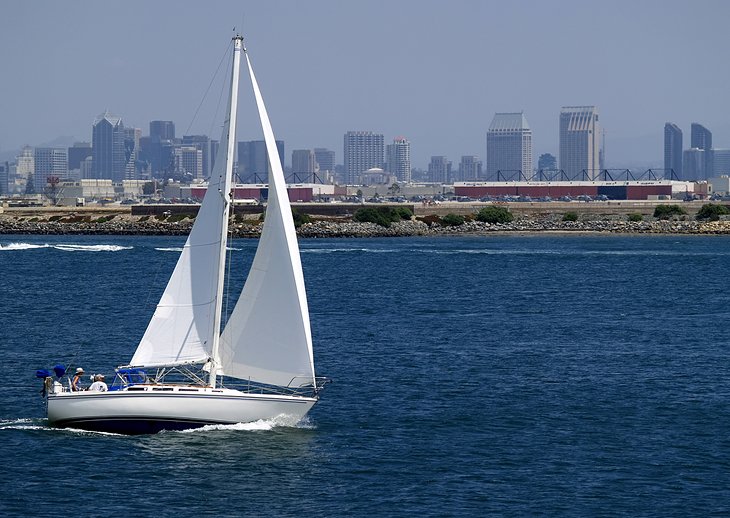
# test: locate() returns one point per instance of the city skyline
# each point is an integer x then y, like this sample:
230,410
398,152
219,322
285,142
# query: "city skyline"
349,76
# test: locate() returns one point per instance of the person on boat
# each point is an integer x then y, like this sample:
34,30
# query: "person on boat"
99,385
76,382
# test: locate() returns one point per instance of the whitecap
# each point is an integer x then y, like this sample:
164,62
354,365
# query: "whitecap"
171,249
21,246
91,248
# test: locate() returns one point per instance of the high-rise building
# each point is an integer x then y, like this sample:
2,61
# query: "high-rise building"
131,152
326,160
162,130
253,162
50,163
398,159
303,165
77,153
157,151
439,169
470,168
672,151
509,146
580,141
108,148
205,145
25,163
721,161
693,164
701,138
4,177
189,161
363,150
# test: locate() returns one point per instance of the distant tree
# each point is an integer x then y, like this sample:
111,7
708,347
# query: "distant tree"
495,214
712,211
453,220
635,217
570,216
29,186
300,218
382,216
667,211
148,188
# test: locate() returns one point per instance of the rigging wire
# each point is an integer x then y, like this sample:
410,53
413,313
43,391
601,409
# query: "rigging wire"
229,48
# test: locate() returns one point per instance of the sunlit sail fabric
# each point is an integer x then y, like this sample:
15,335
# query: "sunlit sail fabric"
182,327
268,337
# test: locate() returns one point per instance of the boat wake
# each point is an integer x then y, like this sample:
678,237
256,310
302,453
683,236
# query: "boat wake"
282,421
171,249
64,247
92,248
42,425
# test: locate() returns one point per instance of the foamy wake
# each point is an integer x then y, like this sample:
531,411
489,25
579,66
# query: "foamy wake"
92,248
282,421
64,247
171,249
40,424
21,246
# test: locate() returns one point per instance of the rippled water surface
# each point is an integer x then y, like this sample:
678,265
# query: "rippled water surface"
571,375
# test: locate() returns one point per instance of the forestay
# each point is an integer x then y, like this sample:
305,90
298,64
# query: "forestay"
268,337
182,328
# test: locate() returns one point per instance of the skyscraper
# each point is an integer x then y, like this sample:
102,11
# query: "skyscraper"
363,150
131,152
693,164
189,160
107,142
721,161
303,165
580,138
398,159
162,130
50,162
77,153
701,138
326,159
25,164
205,145
672,150
509,146
470,168
253,162
439,169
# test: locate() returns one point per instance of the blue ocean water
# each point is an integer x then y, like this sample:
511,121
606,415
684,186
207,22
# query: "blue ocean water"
508,375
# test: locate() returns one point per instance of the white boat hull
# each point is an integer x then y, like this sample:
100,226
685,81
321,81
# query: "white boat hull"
152,409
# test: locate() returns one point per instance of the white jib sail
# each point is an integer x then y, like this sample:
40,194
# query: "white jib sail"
183,325
268,337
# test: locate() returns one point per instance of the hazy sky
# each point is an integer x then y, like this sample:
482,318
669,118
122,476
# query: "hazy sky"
432,71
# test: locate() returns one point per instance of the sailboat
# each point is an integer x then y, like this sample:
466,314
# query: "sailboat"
186,372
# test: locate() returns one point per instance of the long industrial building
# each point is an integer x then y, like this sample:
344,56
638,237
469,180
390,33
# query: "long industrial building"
612,190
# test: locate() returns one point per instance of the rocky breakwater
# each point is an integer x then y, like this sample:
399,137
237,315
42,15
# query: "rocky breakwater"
112,225
145,225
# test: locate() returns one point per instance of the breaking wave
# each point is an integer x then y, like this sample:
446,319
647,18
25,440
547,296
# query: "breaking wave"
65,247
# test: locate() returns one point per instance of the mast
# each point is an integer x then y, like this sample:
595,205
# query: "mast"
225,192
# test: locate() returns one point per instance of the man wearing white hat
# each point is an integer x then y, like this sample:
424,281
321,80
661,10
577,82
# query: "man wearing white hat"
99,385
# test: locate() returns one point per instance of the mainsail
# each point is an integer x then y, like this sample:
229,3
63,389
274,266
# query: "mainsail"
268,338
183,327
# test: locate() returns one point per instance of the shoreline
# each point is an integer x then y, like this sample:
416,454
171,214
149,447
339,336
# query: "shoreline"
125,224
